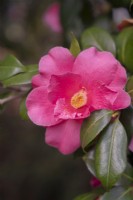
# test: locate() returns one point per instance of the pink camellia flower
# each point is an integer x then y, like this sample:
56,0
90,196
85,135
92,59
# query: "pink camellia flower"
68,89
52,17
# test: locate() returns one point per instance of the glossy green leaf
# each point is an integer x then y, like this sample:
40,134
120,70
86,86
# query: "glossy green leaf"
129,87
23,110
93,125
110,154
89,161
19,79
31,68
118,193
74,48
98,38
125,48
9,67
127,177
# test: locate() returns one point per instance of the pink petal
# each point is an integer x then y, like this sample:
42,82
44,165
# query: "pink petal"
120,78
102,97
39,80
131,145
58,61
96,66
64,136
105,98
64,86
40,110
122,100
63,110
52,17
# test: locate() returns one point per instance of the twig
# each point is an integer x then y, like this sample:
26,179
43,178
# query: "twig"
10,98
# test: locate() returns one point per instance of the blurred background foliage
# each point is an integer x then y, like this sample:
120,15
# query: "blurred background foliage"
29,169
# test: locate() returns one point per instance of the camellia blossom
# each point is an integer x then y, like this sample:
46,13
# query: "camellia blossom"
68,89
52,17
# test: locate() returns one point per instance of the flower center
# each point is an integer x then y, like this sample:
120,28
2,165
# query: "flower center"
79,99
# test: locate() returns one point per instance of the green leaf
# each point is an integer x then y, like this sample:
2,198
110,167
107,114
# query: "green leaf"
23,110
110,154
90,196
19,79
93,125
129,87
127,176
125,48
9,67
118,193
89,161
98,38
74,48
31,68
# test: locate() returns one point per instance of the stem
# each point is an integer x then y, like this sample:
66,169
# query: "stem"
16,92
19,89
116,114
11,97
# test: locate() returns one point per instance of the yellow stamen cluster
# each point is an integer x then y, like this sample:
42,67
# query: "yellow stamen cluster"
79,99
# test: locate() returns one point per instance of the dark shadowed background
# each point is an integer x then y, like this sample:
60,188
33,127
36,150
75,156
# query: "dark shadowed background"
29,169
